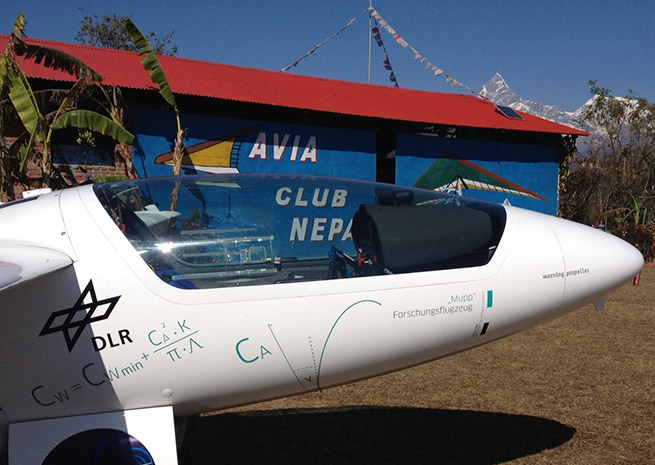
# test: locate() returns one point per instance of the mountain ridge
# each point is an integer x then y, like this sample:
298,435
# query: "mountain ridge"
498,91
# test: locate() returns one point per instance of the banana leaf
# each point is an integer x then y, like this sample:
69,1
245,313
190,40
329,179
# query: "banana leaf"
51,58
4,67
55,59
22,98
150,62
18,30
85,119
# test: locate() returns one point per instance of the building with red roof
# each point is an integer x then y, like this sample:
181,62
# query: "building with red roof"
252,120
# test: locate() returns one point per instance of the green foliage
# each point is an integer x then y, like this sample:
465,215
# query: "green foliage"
40,117
102,179
85,119
639,235
150,62
614,185
51,58
111,31
21,96
56,59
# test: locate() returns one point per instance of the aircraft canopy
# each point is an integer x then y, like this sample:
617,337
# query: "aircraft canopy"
235,230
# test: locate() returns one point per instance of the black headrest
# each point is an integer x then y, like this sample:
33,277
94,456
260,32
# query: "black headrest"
416,237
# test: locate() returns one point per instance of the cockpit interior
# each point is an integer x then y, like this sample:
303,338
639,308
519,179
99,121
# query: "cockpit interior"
215,231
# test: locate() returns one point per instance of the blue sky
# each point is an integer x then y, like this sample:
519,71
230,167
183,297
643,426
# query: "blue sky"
545,50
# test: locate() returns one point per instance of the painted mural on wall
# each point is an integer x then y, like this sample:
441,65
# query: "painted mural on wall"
523,175
222,145
227,145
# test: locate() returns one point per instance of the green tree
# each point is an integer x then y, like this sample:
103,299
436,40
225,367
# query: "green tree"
614,184
111,31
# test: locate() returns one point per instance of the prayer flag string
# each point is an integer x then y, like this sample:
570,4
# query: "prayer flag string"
417,56
331,37
379,21
386,62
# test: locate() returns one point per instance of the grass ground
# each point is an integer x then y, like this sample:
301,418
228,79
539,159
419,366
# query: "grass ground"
578,390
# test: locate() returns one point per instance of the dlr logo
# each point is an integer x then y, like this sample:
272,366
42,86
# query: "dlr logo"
102,342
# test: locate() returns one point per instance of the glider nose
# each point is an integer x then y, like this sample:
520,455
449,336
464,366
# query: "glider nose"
595,262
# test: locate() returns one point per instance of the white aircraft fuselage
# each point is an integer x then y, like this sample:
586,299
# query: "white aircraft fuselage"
112,301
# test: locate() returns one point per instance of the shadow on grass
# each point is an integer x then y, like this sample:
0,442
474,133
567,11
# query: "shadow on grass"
368,435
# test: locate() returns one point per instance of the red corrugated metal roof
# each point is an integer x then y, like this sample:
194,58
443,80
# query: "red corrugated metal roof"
215,80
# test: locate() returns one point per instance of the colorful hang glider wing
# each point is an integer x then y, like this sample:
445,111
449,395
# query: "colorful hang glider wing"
20,263
449,172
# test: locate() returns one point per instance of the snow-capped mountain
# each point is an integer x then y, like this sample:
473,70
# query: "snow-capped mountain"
499,92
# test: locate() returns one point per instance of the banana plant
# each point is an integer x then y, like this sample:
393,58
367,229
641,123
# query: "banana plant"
13,158
151,64
51,58
114,105
41,126
13,155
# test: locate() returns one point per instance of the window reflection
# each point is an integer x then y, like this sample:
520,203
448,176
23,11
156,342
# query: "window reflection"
218,231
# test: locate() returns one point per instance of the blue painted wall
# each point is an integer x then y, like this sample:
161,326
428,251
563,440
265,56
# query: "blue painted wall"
256,147
251,146
532,167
